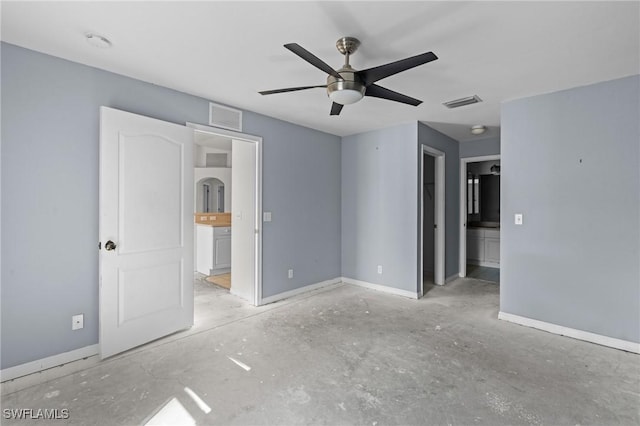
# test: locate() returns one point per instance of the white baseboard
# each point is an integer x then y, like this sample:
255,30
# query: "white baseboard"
21,376
295,292
382,288
611,342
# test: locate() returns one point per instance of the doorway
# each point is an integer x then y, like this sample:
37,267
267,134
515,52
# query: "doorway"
480,218
146,227
235,246
210,196
432,219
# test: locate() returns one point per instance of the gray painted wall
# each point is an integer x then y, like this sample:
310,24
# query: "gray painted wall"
380,213
50,129
379,204
575,260
430,137
480,147
301,187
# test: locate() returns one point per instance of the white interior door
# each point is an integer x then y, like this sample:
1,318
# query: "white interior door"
146,230
244,223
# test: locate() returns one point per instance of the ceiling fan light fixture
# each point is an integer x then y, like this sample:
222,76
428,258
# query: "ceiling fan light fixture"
478,129
346,96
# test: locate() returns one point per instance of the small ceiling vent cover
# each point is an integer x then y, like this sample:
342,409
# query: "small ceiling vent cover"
463,101
225,117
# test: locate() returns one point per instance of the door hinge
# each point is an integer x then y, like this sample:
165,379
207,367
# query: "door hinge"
99,245
435,226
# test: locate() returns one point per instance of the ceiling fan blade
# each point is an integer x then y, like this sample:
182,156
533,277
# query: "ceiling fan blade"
383,93
312,59
290,89
336,108
371,75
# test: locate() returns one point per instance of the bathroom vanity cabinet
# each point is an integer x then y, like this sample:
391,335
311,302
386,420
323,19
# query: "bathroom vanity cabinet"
213,249
483,246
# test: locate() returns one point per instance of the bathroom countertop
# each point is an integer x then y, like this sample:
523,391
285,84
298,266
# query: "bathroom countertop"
483,225
214,225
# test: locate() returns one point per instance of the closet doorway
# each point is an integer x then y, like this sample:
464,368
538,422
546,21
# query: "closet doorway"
432,219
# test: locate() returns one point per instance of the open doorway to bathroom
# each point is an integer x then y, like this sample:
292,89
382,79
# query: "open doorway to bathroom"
480,218
228,226
213,183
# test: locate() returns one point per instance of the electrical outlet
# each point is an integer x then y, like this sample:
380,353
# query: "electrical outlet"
290,273
518,218
77,322
380,269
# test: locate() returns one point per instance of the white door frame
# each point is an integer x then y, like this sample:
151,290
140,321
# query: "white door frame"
463,207
439,244
258,141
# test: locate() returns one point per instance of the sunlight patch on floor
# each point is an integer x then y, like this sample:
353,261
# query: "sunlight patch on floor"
172,413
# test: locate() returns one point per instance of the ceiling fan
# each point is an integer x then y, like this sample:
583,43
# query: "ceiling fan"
347,85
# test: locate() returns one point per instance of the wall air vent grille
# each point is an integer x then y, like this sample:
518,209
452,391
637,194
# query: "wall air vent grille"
225,117
463,101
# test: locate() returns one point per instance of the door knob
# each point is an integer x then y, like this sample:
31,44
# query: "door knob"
110,245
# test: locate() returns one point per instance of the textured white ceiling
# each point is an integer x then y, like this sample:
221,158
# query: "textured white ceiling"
228,51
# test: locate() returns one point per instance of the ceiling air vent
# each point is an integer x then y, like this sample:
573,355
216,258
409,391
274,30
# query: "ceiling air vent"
463,101
225,117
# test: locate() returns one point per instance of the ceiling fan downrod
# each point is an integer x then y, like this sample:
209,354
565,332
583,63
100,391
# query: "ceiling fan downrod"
347,46
348,88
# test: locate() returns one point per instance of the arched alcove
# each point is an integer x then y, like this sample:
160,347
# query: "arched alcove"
210,195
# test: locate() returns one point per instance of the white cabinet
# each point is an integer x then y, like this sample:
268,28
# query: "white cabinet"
475,245
213,249
483,247
221,250
204,248
492,250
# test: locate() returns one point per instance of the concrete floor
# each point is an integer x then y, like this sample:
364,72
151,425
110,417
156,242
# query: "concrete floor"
348,355
483,273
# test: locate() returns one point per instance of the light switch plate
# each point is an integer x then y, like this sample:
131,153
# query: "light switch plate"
266,216
518,218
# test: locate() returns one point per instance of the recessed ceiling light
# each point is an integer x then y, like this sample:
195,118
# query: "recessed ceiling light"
478,129
98,41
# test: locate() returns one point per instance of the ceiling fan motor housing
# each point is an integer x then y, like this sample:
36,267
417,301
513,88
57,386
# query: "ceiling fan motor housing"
349,81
